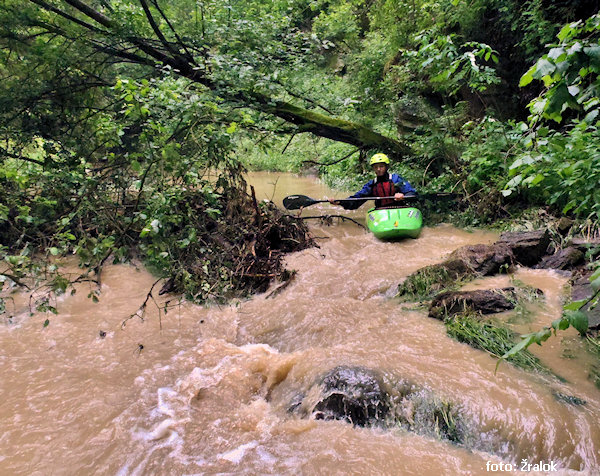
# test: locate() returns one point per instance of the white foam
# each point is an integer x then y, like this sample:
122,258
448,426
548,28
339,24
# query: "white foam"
236,455
164,394
164,429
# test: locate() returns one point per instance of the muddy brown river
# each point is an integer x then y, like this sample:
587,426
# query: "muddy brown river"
209,393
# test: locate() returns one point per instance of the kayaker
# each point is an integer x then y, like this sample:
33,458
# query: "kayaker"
383,185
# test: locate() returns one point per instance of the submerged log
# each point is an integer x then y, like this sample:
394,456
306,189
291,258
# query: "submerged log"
463,264
486,301
467,262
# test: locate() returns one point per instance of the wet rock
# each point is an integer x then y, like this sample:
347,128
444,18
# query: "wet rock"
567,258
359,396
354,394
464,263
591,247
483,260
564,225
569,399
296,402
484,301
527,247
582,289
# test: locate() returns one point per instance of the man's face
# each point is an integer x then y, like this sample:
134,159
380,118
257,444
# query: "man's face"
380,169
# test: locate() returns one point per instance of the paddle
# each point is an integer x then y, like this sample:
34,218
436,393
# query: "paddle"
294,202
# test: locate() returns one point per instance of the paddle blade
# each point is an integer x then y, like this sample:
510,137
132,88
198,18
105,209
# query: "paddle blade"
294,202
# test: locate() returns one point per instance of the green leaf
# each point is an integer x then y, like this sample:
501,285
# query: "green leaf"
559,97
595,284
591,116
54,251
543,68
556,53
564,32
575,305
46,322
593,51
575,48
543,335
578,320
538,106
528,339
527,77
560,324
537,179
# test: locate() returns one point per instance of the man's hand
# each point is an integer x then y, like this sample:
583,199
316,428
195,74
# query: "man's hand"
399,196
333,201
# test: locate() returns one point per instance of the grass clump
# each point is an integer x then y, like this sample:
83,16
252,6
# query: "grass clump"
492,338
427,282
419,410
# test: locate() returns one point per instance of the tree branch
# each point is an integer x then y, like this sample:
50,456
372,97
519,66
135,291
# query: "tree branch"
19,157
90,12
156,29
179,40
331,163
52,8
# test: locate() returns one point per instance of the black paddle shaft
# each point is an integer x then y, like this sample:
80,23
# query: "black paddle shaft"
294,202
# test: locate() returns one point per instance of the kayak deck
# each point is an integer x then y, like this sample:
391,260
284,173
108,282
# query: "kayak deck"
395,223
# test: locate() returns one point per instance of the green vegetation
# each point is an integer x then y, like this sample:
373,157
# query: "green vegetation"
427,414
429,281
126,125
492,338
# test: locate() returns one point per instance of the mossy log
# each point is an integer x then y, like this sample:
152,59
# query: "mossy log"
333,128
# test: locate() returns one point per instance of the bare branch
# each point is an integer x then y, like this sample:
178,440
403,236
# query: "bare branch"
179,40
331,163
156,29
20,157
52,8
90,12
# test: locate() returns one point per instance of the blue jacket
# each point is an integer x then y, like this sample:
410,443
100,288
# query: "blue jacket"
400,185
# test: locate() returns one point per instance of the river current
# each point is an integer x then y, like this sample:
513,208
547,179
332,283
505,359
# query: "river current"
206,390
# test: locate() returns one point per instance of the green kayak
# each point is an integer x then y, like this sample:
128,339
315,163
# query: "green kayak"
395,223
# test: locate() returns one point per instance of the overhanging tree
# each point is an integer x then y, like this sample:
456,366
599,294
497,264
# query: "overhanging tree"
151,34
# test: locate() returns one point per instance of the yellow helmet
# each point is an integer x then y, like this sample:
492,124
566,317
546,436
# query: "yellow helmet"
379,158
